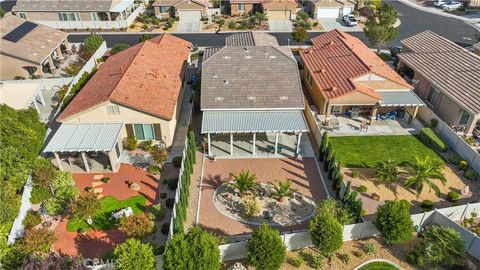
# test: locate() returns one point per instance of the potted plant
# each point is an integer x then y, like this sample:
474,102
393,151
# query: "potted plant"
282,190
129,182
89,189
106,180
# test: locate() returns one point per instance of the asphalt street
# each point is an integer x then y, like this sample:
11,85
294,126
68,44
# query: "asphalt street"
413,21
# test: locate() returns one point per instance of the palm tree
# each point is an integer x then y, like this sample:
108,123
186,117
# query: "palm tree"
423,172
244,182
282,190
386,171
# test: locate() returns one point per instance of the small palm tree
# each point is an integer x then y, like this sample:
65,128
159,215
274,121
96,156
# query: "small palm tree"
244,182
386,171
423,172
282,190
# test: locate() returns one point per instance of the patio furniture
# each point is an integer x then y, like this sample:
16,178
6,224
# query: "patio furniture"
375,197
122,212
280,148
271,148
135,186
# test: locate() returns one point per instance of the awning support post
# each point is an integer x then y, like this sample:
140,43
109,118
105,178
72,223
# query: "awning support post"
415,111
298,143
253,146
209,145
84,157
231,143
276,142
40,95
35,103
59,161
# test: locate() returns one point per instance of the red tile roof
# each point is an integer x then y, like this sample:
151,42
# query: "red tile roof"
146,77
336,59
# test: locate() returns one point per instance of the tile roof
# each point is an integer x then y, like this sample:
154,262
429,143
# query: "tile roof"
146,77
176,2
333,3
263,2
448,67
66,5
251,78
251,39
337,58
35,46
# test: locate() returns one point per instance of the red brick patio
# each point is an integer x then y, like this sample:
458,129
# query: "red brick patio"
95,244
302,172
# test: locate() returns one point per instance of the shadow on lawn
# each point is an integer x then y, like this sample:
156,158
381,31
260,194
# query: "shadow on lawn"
96,244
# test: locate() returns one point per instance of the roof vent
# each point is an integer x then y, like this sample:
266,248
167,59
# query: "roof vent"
225,81
214,75
321,70
218,98
251,98
245,49
272,56
283,98
333,88
248,57
226,57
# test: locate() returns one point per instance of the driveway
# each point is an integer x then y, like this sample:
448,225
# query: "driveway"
189,26
330,24
280,25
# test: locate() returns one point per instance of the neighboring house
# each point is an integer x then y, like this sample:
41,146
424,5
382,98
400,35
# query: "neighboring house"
28,49
274,9
81,14
184,9
251,92
135,93
321,9
344,77
447,78
21,94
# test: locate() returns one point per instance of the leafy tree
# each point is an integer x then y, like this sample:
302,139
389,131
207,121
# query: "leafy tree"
440,246
265,250
326,232
72,69
260,17
2,12
64,191
145,37
32,219
85,206
350,202
158,155
137,226
53,261
244,182
386,171
4,231
341,213
394,222
37,241
10,202
282,189
379,28
93,42
43,173
119,47
134,255
299,34
423,172
13,257
197,250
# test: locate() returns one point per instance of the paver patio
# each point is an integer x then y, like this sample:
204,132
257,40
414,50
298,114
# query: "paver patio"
303,172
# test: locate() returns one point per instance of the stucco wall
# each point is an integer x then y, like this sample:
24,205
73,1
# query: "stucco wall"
53,16
191,5
281,5
11,67
235,11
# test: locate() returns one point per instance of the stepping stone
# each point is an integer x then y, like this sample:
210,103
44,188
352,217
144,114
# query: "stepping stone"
98,190
96,184
99,196
97,176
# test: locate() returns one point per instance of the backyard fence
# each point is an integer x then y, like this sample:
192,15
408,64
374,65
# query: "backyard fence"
456,142
17,227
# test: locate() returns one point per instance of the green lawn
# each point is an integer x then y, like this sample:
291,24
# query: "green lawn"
378,266
366,151
385,57
102,220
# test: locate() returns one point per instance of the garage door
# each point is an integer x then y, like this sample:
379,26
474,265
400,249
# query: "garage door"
347,10
191,15
328,12
279,14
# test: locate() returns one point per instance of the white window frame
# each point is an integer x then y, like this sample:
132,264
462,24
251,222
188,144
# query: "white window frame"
143,127
337,109
64,16
94,16
113,110
22,15
163,12
435,95
241,7
460,118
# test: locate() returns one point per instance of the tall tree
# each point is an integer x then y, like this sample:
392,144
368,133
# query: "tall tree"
134,255
299,34
37,241
85,206
394,222
423,172
379,29
265,250
137,226
326,232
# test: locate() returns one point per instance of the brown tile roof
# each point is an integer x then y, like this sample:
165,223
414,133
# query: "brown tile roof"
333,3
65,5
176,2
448,67
35,46
336,59
146,77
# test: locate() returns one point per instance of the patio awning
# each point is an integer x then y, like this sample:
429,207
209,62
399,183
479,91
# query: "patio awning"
253,121
19,94
84,137
399,98
122,6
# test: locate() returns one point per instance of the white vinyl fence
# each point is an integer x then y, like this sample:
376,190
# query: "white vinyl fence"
17,227
455,142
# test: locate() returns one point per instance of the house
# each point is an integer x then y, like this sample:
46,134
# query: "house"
321,9
344,77
447,78
135,93
251,99
184,9
274,9
79,14
28,49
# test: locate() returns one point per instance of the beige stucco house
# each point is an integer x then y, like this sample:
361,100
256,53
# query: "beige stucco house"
184,9
330,8
274,9
27,49
132,94
447,78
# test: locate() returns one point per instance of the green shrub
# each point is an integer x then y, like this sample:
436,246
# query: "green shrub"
40,195
89,189
394,222
250,207
344,258
265,249
453,196
326,232
296,262
463,165
355,174
106,179
317,262
170,202
433,123
146,145
158,211
32,219
470,140
119,47
153,169
131,143
362,189
471,174
369,248
163,195
93,42
302,16
430,137
232,25
177,161
315,24
133,254
455,159
172,183
427,205
165,228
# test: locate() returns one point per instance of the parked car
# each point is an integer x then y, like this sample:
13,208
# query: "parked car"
439,3
350,20
452,6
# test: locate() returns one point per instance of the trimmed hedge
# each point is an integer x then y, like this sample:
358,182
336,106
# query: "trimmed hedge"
430,137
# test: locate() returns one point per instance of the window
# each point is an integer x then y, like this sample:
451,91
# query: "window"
309,78
241,7
163,9
144,132
432,96
113,110
22,15
336,109
69,16
464,118
94,16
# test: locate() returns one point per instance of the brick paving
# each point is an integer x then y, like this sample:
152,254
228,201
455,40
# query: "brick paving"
303,173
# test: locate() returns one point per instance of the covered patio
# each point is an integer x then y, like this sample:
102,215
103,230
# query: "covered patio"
255,133
94,147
